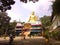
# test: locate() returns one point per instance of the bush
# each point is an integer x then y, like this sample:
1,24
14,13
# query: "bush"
56,35
46,34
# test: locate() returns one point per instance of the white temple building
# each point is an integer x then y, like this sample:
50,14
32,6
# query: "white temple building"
36,26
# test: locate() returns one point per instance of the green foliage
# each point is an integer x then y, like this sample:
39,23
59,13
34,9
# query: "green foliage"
6,5
46,33
13,24
56,7
56,35
46,21
11,28
4,22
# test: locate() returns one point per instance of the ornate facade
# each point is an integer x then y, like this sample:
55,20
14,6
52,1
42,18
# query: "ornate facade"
36,26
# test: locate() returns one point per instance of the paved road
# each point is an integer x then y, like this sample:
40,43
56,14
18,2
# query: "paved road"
31,41
21,41
27,41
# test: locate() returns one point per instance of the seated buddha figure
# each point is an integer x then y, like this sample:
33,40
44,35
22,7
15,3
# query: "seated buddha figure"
33,18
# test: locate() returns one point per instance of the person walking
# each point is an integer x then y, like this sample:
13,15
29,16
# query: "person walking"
11,39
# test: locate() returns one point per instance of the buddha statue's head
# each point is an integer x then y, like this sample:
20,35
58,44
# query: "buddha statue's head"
33,13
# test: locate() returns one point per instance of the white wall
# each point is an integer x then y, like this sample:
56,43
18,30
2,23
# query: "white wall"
56,22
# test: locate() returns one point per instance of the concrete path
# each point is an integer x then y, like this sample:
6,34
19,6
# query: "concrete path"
28,41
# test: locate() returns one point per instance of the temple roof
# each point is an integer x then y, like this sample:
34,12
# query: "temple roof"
19,24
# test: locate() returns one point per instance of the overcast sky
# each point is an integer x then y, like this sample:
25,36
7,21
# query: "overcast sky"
22,11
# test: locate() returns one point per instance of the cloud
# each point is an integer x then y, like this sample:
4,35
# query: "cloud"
34,6
22,10
38,7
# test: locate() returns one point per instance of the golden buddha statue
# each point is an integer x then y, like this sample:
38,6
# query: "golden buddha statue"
33,18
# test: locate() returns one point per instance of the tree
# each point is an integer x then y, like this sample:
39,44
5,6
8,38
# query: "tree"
4,19
56,7
6,5
4,22
11,28
45,21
